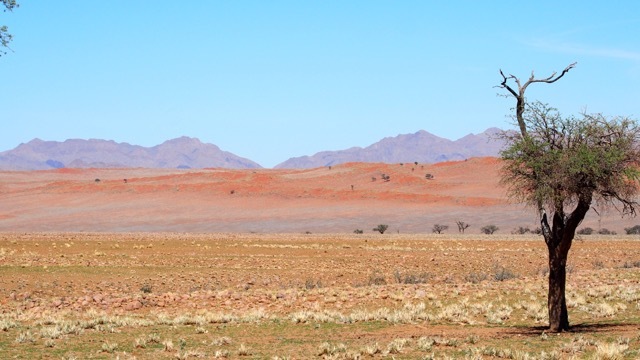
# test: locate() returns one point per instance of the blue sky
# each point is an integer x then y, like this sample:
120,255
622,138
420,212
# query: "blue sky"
269,80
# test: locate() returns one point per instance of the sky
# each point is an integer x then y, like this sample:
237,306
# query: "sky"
270,80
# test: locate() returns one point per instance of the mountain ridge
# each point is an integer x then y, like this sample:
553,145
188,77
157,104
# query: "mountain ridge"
420,146
188,152
182,152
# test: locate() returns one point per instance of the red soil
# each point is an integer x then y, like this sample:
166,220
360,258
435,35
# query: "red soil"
337,199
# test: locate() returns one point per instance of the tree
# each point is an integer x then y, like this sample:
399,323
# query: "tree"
560,166
5,37
381,228
462,226
438,229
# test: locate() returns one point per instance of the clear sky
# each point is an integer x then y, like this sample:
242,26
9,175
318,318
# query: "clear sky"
269,80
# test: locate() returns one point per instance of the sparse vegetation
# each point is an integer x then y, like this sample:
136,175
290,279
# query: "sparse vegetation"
585,231
462,226
489,229
310,298
634,230
358,231
439,228
521,230
381,228
605,231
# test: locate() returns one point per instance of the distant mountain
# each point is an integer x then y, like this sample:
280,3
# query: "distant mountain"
422,147
184,152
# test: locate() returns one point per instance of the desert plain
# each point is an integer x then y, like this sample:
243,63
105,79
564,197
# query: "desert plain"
265,264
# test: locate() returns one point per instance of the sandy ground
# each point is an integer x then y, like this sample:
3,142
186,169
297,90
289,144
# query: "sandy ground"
339,199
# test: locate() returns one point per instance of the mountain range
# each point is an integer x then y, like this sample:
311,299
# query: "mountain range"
186,152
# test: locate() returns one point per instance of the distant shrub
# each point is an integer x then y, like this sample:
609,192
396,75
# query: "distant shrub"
462,226
311,284
489,229
501,274
633,230
521,230
605,231
381,228
385,177
410,278
428,177
146,288
585,231
438,228
358,231
376,278
631,264
475,277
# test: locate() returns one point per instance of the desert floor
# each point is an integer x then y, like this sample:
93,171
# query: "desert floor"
300,296
338,199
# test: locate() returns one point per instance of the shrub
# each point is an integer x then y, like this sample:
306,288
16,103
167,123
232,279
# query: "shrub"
358,231
475,277
381,228
489,229
376,278
585,231
501,274
146,288
438,228
605,231
311,284
633,230
521,230
411,278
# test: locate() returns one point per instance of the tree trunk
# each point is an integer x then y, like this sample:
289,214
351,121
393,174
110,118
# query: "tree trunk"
556,303
559,238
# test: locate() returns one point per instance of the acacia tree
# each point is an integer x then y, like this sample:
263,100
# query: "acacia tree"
560,166
5,37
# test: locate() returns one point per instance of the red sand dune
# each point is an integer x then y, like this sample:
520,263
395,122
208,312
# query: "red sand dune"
337,199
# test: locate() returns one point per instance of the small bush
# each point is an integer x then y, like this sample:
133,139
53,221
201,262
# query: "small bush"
501,274
311,284
475,277
489,229
376,278
633,230
421,278
146,288
605,231
438,228
358,231
585,231
381,228
521,230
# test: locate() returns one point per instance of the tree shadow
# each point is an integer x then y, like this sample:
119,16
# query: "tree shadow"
580,328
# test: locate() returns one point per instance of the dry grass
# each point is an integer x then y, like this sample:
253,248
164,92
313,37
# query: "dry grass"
232,295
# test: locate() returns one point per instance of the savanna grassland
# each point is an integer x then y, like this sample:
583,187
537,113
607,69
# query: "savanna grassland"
300,296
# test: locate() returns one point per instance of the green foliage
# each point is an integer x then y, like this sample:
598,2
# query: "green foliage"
5,37
561,160
381,228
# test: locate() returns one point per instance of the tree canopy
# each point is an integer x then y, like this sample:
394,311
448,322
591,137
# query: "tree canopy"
5,36
563,160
